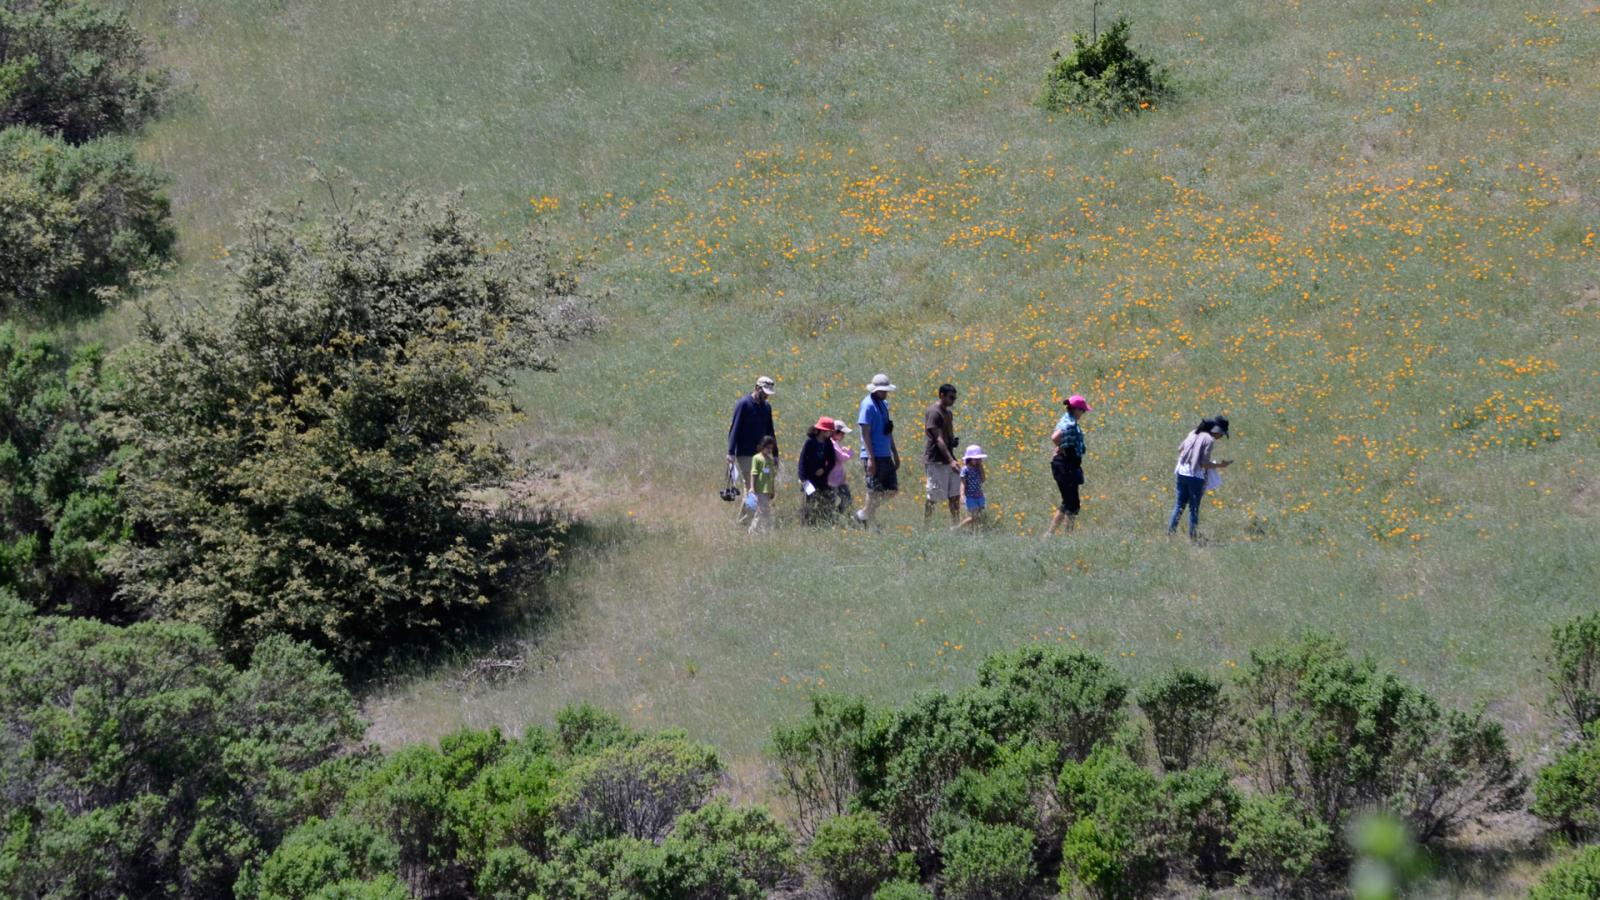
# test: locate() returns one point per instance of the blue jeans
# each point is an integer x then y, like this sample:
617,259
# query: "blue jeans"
1190,490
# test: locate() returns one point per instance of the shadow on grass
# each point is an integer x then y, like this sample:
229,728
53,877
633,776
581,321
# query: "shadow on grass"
498,640
1500,868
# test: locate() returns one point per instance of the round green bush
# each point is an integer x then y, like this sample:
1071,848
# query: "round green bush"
852,853
1576,879
74,68
989,862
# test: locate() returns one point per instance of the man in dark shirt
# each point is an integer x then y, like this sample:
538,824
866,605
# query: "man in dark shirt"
939,455
752,421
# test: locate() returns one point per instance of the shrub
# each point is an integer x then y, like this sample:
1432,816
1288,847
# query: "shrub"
1200,806
583,730
136,760
303,462
1186,711
908,759
507,803
1566,793
714,853
1114,843
636,790
988,862
902,890
1066,698
73,67
852,854
509,873
74,221
818,758
58,484
318,854
1340,735
1577,878
1104,77
1014,788
1573,665
1278,844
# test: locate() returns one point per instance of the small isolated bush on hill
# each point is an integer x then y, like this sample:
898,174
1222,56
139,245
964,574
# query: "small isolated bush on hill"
137,762
1577,878
989,862
1104,77
1574,670
1341,736
1186,711
74,221
302,460
59,512
73,67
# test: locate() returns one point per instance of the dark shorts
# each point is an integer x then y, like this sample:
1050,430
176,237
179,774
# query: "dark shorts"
885,477
1068,478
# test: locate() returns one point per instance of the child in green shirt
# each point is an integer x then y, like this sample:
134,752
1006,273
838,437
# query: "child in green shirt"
763,481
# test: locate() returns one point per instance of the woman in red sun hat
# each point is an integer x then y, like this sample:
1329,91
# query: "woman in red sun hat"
1067,466
817,460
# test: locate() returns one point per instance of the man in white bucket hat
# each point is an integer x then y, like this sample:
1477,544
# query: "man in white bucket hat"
879,454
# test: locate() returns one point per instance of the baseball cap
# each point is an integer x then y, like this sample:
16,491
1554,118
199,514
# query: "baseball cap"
767,385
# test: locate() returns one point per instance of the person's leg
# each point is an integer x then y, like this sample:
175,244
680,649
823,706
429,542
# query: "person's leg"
843,501
762,520
743,464
955,509
1196,494
1180,491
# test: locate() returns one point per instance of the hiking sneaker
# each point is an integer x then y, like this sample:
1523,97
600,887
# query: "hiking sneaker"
861,518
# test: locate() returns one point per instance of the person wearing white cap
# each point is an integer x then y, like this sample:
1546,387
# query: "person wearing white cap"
972,479
878,451
839,478
752,421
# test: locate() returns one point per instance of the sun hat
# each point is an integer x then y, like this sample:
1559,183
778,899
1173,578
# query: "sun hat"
767,385
824,424
974,452
840,427
880,382
1076,401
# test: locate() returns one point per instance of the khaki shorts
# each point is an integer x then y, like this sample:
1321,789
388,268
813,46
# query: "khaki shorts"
944,483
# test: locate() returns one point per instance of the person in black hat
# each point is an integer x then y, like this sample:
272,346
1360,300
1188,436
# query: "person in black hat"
1194,464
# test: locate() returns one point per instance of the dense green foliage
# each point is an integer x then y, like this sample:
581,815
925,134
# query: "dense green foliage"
74,68
136,761
484,816
1573,665
988,862
1187,713
1566,792
1278,844
74,221
58,483
303,461
1103,76
1577,878
1114,845
1341,735
852,855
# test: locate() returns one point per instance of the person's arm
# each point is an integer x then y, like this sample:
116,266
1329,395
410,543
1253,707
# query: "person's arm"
1056,436
733,428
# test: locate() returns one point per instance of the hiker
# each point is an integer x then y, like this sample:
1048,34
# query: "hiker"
752,421
839,478
939,456
1195,467
972,479
762,483
879,454
1067,465
817,460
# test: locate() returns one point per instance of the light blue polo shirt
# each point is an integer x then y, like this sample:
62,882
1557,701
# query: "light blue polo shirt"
874,416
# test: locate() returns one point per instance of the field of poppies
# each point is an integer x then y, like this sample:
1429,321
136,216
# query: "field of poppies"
1366,232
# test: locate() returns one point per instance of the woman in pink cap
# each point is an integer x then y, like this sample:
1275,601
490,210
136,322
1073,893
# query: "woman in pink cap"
1067,466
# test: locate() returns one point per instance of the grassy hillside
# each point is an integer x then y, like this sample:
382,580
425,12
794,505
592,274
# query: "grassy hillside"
1366,231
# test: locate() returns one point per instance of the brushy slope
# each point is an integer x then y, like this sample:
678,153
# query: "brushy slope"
1366,231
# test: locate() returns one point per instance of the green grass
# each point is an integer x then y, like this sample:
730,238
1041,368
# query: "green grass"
1364,230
